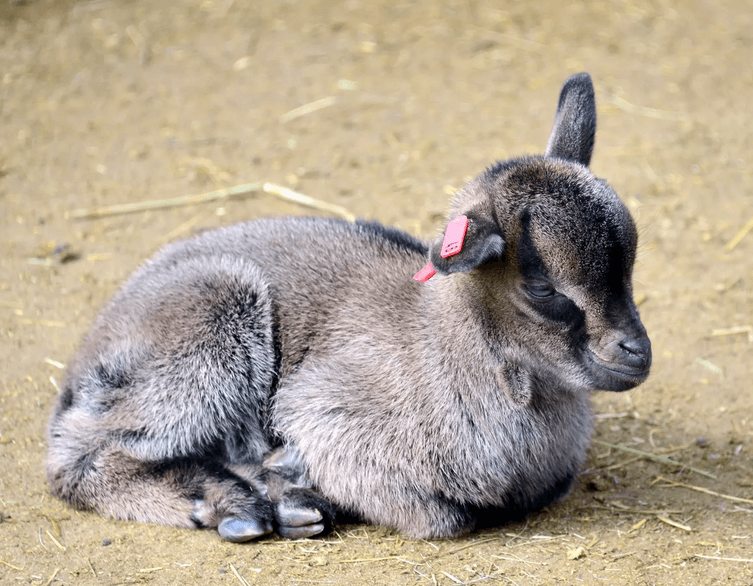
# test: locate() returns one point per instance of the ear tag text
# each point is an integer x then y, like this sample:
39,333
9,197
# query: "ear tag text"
452,244
454,237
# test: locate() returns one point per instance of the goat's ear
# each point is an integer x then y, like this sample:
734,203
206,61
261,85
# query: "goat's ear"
574,129
483,243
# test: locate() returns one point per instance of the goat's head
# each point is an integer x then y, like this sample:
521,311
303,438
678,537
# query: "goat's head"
550,250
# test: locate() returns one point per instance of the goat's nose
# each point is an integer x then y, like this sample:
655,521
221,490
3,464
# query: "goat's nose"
636,352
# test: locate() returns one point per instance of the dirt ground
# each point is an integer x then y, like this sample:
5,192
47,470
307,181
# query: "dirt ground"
110,102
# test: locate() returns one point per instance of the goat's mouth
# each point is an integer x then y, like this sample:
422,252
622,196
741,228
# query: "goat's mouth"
611,375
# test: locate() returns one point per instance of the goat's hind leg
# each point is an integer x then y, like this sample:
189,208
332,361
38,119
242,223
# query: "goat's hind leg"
150,414
181,492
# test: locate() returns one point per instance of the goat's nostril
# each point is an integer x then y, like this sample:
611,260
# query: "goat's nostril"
637,348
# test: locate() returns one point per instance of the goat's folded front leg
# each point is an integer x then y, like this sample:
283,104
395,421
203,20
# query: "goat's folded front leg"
299,511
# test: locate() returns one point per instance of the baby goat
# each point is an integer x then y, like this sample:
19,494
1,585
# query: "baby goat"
274,374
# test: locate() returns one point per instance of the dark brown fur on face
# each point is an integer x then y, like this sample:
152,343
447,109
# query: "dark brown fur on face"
276,374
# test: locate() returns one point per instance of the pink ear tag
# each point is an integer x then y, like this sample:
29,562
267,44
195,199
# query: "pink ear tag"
425,273
454,236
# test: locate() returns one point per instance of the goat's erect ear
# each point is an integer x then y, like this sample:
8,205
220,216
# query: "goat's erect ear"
574,129
483,243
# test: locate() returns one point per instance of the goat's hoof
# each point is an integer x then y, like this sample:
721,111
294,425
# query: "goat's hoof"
297,516
302,513
297,522
300,532
240,530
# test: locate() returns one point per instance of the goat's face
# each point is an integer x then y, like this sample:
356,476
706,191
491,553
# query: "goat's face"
571,251
552,248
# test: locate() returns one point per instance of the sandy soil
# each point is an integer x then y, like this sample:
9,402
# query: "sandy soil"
112,102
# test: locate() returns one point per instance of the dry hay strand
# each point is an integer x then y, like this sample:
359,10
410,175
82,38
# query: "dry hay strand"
308,108
715,557
51,578
241,579
55,384
734,331
669,521
742,233
61,366
655,457
380,559
655,452
47,323
623,104
220,194
55,541
708,365
625,509
673,484
184,227
455,550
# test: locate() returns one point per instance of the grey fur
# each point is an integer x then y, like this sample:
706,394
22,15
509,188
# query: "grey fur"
274,374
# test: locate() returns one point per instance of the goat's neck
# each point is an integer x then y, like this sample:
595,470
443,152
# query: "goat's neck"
473,342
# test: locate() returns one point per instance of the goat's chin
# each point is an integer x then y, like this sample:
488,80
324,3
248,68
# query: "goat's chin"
613,376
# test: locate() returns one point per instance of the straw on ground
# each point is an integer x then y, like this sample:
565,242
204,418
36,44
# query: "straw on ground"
655,457
220,194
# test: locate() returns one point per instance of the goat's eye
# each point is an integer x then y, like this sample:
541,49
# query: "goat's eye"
540,290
